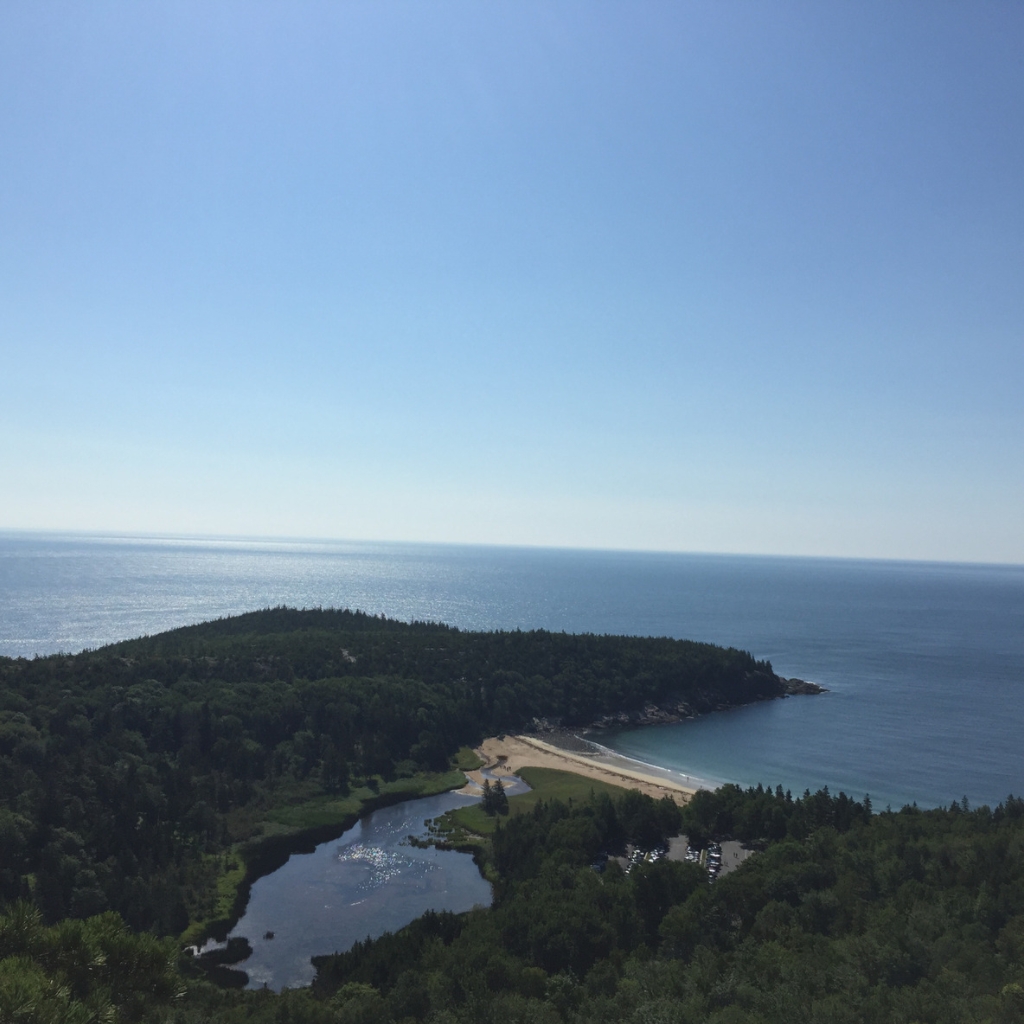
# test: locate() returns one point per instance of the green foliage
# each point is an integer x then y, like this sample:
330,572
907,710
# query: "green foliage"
152,777
80,971
915,916
466,760
128,772
548,784
495,800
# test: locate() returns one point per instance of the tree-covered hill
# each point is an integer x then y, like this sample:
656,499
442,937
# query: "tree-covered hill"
129,775
845,917
140,781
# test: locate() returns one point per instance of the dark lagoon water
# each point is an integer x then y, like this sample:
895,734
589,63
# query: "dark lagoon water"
367,882
925,662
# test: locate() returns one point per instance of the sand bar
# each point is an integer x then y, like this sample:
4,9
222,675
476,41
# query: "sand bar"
507,755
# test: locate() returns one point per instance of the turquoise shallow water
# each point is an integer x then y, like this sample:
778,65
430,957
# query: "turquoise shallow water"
925,662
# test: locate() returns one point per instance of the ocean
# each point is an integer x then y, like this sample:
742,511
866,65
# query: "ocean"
924,662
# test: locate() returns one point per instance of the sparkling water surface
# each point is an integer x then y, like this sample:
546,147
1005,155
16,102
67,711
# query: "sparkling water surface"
369,881
924,662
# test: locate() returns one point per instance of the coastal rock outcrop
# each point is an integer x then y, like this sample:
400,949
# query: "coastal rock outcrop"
676,709
797,687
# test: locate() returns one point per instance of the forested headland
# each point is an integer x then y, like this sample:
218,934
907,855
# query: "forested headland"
150,776
143,783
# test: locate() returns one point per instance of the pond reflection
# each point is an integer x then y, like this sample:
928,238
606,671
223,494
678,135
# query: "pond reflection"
368,881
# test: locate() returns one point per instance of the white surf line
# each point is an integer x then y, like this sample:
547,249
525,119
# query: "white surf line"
694,781
626,773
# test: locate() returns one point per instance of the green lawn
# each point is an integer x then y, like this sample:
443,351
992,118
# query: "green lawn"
545,784
466,760
552,784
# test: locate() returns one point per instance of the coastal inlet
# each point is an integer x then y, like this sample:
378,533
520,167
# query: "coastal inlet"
368,881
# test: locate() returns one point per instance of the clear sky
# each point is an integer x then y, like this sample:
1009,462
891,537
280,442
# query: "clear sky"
687,276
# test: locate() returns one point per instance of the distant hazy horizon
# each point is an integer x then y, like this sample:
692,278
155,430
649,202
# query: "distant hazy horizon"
313,543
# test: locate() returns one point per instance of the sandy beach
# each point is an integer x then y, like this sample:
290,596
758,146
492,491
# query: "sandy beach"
507,755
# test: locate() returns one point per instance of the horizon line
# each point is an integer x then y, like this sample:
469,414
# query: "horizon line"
267,539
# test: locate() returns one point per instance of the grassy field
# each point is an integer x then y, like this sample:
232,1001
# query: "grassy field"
326,810
545,784
551,784
466,760
229,871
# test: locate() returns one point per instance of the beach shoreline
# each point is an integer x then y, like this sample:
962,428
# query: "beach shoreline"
507,754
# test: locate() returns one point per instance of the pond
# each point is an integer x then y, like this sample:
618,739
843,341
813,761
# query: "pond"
368,881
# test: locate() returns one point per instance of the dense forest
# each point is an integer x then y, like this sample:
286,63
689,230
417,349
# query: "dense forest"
132,777
140,781
844,916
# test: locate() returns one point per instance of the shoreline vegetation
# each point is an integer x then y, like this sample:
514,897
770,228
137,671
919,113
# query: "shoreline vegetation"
159,777
298,829
144,786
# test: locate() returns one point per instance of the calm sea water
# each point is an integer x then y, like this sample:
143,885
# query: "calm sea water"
925,662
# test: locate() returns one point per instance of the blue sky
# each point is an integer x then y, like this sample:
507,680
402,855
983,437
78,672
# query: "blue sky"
684,276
